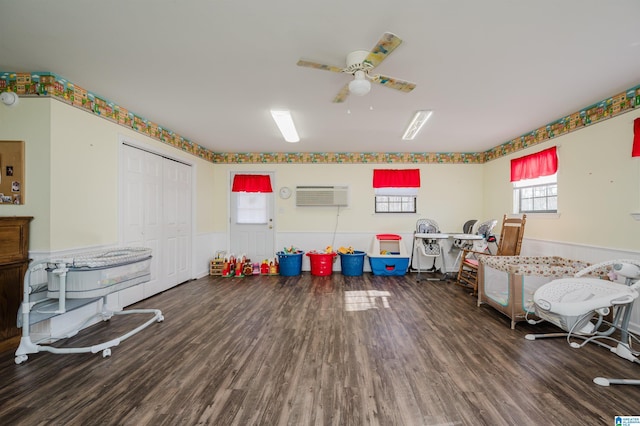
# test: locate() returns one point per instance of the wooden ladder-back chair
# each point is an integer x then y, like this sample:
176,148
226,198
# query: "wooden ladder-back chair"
510,244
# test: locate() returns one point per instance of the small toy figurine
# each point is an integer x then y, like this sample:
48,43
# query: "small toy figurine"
264,267
239,270
229,267
248,269
256,268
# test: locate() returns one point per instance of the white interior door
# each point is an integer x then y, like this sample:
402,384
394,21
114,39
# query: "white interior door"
156,213
153,220
177,212
140,207
252,229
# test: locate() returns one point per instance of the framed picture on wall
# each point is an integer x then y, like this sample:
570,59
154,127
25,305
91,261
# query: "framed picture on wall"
12,170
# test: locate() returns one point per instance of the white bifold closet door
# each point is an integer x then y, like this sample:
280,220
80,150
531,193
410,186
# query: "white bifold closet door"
156,213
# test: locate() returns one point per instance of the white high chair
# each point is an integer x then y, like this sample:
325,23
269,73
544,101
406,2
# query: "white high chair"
462,243
428,246
485,229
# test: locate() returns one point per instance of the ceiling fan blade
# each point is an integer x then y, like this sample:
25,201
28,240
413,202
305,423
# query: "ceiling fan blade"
318,66
382,49
342,94
394,83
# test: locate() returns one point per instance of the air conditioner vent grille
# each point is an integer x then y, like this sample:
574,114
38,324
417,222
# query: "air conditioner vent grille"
317,196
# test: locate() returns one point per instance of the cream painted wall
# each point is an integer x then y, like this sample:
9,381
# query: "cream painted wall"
450,194
85,156
598,187
72,185
84,179
72,162
29,121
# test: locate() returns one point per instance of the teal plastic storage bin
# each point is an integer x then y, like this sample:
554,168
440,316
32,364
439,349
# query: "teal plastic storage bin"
290,263
352,264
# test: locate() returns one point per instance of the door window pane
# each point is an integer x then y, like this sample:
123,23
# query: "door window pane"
251,207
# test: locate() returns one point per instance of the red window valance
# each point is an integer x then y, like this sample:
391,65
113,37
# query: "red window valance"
388,178
636,138
543,163
251,183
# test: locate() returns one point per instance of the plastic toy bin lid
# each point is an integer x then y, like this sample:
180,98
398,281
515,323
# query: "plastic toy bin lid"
388,237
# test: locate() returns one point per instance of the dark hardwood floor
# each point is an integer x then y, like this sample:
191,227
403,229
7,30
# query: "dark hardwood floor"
306,350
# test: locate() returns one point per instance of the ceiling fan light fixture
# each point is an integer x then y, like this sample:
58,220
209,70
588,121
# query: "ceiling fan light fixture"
359,86
416,124
283,120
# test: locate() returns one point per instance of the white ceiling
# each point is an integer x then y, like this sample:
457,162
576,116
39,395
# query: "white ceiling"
210,70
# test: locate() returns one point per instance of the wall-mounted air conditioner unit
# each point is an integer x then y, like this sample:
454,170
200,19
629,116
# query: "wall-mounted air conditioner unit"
313,196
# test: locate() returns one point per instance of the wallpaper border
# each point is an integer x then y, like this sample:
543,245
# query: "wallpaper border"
54,86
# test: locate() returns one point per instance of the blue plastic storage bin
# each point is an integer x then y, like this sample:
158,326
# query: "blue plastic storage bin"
352,264
290,263
388,255
388,265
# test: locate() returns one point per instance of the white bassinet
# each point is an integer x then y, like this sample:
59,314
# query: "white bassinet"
97,274
74,281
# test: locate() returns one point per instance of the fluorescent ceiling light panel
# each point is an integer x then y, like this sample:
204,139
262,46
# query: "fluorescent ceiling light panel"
285,124
416,124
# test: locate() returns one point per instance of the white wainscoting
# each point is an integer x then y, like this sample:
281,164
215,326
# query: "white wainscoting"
205,247
593,254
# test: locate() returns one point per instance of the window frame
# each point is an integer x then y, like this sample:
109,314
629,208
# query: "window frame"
404,200
243,212
546,182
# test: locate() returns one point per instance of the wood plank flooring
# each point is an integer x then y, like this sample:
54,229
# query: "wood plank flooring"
269,350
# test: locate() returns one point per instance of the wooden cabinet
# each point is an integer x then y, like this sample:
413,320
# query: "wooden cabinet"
14,261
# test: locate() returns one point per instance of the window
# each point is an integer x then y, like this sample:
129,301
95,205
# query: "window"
395,204
535,182
396,190
252,208
536,195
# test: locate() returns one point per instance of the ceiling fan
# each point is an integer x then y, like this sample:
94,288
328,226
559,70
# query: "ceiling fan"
360,63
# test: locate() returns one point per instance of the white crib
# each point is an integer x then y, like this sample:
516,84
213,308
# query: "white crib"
507,283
